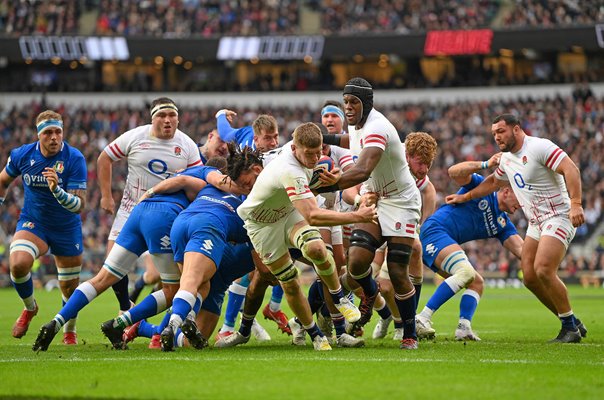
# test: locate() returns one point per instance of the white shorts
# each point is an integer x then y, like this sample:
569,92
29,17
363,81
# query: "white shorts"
336,234
271,241
397,218
559,227
118,223
384,271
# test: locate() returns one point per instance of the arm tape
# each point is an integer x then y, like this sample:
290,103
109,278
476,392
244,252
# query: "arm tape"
336,140
69,201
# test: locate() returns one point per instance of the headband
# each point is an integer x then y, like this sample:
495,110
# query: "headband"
163,106
48,123
329,109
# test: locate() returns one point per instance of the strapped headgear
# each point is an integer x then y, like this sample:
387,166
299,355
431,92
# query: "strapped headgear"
361,89
163,106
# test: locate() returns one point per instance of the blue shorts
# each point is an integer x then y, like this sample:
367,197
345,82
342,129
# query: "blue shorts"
434,238
63,242
201,233
236,262
148,228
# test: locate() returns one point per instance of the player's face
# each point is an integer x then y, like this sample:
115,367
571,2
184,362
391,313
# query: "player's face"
419,168
51,140
164,123
509,202
504,135
216,146
266,141
307,156
353,109
247,179
332,122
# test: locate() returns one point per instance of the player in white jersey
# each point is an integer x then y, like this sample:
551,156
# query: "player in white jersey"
420,149
381,163
154,152
278,214
547,184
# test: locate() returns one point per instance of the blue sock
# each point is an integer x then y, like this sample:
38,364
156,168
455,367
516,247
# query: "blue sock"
121,292
313,331
468,304
183,304
83,295
277,294
406,308
368,284
146,329
384,313
145,309
315,296
337,296
568,322
339,323
24,287
441,295
197,305
233,306
164,322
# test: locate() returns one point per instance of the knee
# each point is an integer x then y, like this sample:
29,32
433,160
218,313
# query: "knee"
315,252
20,267
385,287
291,287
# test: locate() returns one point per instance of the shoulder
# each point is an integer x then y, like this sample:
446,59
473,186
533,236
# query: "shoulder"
73,152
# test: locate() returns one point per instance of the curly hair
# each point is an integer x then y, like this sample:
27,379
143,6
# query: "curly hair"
421,144
241,159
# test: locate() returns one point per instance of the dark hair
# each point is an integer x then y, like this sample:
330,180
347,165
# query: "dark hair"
218,162
510,119
334,103
161,100
241,159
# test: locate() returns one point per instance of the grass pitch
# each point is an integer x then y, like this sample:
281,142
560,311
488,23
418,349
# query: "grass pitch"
513,360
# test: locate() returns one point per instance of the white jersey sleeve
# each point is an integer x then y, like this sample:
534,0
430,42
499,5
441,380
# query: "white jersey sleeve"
422,184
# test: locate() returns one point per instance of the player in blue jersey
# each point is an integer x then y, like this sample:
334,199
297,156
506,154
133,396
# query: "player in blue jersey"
147,229
263,135
201,236
54,181
452,225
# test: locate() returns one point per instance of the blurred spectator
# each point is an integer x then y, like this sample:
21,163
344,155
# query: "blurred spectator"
53,17
553,13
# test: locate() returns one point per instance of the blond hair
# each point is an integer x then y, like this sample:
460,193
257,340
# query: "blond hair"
421,144
265,122
308,135
48,114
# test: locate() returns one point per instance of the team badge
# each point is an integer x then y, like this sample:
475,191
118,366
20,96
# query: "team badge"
59,167
397,226
28,225
524,160
501,221
177,150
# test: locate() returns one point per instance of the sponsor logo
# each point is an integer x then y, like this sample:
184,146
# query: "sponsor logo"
430,249
28,225
31,162
165,242
207,245
27,179
483,204
77,246
145,146
59,167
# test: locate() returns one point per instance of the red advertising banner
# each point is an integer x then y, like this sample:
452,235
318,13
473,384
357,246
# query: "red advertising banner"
451,43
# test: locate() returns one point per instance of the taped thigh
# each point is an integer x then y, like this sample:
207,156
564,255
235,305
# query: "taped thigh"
120,261
25,246
167,268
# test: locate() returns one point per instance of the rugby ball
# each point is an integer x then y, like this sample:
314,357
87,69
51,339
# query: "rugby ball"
325,164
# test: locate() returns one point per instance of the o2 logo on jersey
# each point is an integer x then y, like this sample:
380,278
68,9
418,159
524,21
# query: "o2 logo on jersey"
158,167
483,205
354,159
519,180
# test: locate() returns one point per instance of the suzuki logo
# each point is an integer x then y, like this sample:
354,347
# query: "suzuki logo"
207,245
430,249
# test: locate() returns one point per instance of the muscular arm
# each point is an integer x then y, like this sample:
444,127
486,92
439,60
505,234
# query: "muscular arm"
514,244
359,173
316,216
189,184
82,195
104,166
5,181
226,132
428,201
568,169
462,172
488,186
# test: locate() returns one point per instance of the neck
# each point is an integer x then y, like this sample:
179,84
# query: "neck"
519,142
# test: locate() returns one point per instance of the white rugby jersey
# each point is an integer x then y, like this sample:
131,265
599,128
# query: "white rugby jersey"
284,181
531,171
342,158
391,176
150,160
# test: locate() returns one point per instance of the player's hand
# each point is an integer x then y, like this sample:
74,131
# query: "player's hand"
456,198
328,178
51,178
108,204
494,160
576,215
367,214
230,115
369,198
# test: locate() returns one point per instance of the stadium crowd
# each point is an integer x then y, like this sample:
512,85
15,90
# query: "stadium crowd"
184,18
459,128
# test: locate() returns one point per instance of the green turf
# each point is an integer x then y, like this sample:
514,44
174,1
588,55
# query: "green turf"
512,361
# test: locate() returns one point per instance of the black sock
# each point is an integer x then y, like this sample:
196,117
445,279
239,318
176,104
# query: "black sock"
121,292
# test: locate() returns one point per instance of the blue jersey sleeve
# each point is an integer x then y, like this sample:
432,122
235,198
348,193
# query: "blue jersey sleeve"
198,172
226,132
508,230
475,181
77,174
12,166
